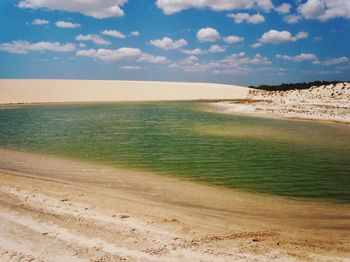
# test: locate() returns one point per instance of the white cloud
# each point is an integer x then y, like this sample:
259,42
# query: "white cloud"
109,55
64,24
95,8
300,35
245,17
173,6
167,43
324,10
292,19
233,39
333,61
113,33
283,8
130,68
208,35
234,64
298,58
242,59
217,49
135,33
279,37
23,47
93,38
196,51
144,57
40,22
124,53
256,45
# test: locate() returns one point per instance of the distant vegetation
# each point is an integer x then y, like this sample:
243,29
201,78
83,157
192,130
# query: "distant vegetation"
291,86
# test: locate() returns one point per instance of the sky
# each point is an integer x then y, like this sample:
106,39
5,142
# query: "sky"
243,42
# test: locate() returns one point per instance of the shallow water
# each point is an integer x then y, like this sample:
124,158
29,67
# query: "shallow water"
290,158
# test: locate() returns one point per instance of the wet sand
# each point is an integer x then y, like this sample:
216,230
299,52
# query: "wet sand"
59,209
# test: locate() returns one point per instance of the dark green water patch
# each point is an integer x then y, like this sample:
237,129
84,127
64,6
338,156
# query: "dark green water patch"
290,158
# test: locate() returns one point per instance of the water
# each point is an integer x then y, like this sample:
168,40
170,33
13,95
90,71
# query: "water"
290,158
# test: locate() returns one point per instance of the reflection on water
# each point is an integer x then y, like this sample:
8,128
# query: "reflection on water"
291,158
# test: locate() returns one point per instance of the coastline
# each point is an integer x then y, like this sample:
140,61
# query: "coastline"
137,215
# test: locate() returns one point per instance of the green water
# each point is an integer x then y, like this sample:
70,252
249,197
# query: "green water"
290,158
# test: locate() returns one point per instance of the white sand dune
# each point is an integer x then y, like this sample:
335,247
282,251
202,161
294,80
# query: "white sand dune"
39,91
326,102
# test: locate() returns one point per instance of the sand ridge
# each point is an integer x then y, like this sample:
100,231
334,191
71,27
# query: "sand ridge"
325,102
53,91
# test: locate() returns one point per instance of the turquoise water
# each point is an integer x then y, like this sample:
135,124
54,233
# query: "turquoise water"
290,158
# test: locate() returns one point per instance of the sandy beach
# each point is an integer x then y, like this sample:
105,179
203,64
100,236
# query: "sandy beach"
54,91
53,209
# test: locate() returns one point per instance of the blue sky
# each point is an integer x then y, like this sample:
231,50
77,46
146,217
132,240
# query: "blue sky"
245,42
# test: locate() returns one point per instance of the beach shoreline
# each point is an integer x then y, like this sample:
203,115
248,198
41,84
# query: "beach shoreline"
136,215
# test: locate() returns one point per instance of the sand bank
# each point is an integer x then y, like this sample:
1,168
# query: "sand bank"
44,91
55,209
326,103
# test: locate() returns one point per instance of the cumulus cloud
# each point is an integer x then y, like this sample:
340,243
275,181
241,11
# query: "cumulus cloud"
292,19
93,38
324,10
173,6
333,61
124,53
40,22
23,47
109,55
196,51
298,58
144,57
279,37
245,17
238,63
167,43
95,8
135,33
217,49
64,24
232,39
130,68
283,8
208,35
113,33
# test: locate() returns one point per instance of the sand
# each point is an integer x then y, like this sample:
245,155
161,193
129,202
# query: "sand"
55,209
325,103
46,91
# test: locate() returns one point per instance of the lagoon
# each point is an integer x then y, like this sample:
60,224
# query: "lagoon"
298,159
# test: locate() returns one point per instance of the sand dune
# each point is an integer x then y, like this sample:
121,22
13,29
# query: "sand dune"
325,102
39,91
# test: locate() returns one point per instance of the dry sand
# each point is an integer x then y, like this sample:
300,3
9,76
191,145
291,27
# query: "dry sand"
62,210
46,91
326,103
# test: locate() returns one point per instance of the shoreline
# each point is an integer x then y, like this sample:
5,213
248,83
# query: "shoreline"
158,218
223,107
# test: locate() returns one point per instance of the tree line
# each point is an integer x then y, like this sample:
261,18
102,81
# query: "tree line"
291,86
